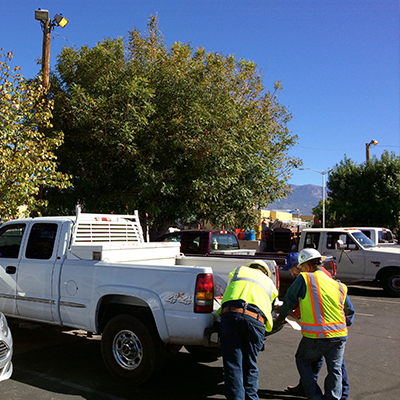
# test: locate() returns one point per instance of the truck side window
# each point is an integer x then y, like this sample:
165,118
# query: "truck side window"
10,240
190,243
173,238
367,234
41,241
351,244
332,238
312,240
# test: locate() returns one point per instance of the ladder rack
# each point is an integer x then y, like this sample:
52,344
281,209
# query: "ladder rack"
106,228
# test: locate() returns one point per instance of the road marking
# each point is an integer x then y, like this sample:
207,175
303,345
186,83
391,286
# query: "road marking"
378,300
365,315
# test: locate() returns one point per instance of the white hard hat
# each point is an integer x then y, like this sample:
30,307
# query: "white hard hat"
260,264
309,254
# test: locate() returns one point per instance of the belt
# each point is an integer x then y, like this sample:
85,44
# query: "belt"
255,315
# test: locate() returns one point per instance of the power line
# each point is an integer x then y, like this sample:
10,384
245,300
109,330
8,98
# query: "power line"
62,37
348,149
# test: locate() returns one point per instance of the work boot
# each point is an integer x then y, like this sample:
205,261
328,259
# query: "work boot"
296,390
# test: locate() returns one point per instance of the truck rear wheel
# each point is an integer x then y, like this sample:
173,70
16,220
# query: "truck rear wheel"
391,282
130,351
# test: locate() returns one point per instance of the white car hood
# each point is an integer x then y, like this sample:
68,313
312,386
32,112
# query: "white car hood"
384,250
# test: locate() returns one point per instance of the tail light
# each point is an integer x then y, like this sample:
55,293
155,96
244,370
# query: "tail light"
334,269
278,280
204,293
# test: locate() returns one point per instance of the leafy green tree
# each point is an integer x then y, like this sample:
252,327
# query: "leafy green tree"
27,160
365,194
175,132
330,214
101,106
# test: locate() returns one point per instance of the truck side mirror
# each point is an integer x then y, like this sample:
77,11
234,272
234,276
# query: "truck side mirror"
339,245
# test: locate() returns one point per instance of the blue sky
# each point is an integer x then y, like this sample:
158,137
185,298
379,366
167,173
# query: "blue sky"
338,60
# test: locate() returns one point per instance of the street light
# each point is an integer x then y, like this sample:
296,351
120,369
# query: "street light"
367,145
298,216
323,173
47,25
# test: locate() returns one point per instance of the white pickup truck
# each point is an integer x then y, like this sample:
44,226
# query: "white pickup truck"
380,236
357,257
95,272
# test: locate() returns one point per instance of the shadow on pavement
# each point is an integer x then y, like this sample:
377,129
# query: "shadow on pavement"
277,395
369,289
70,363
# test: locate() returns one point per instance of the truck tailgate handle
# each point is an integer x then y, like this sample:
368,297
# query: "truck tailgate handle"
11,270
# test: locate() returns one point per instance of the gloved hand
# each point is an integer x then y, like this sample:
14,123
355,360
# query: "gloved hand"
278,322
277,326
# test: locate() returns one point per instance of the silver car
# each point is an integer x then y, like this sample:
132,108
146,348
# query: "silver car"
6,349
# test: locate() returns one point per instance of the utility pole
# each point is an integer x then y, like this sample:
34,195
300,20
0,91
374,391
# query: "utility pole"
47,25
323,173
46,53
367,146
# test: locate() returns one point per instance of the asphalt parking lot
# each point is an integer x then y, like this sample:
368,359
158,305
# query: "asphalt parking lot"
54,365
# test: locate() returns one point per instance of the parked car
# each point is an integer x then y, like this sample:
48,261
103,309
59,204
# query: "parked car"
6,349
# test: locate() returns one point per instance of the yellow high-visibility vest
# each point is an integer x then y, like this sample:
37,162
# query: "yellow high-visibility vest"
322,309
253,287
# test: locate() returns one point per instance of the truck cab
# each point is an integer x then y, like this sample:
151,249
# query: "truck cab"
380,236
357,258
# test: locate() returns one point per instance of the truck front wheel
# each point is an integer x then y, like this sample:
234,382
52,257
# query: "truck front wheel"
391,282
130,351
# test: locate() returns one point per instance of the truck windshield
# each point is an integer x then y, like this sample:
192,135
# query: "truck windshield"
385,237
363,240
224,242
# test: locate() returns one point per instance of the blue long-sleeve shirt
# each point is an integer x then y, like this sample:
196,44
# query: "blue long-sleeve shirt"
298,290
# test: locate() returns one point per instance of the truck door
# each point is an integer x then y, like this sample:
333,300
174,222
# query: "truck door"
36,286
349,260
11,237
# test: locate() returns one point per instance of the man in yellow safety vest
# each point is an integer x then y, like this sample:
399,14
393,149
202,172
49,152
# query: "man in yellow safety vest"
245,316
326,311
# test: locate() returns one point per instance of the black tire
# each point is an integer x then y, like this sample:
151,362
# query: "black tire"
131,352
391,282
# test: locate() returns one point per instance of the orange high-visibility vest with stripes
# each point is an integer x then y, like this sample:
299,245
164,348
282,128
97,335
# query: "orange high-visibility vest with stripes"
322,309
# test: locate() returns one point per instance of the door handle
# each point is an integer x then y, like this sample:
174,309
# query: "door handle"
11,270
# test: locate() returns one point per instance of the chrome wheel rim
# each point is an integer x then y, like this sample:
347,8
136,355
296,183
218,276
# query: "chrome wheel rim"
395,283
127,350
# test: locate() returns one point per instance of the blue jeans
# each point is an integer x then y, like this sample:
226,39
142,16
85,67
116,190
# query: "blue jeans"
241,338
317,365
308,353
345,383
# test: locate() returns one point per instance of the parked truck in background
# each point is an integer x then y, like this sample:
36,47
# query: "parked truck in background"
379,236
201,244
357,258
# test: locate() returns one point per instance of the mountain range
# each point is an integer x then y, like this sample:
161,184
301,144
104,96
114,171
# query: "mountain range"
304,198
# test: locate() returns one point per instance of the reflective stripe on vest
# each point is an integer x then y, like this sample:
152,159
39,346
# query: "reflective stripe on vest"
319,327
253,287
235,278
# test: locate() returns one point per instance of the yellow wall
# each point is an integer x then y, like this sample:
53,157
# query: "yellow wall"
282,216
